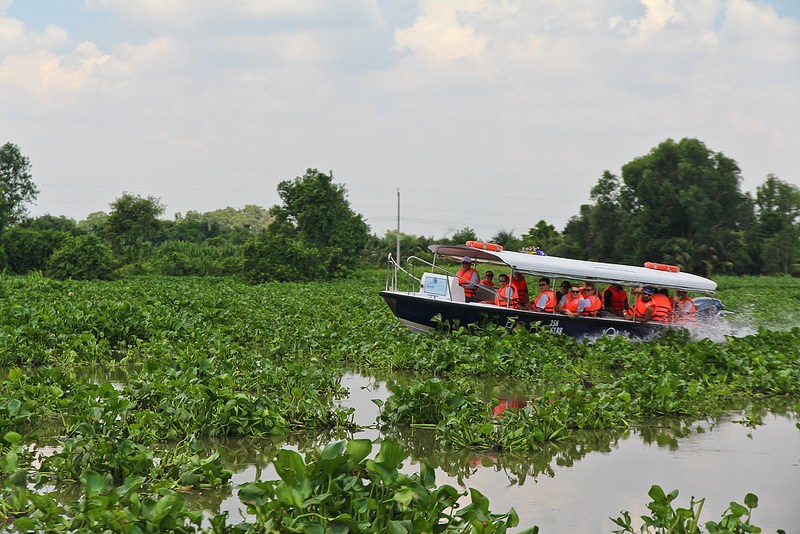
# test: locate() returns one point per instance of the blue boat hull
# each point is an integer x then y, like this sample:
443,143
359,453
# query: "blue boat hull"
420,314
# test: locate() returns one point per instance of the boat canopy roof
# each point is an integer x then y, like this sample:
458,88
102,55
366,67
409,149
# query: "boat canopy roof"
554,267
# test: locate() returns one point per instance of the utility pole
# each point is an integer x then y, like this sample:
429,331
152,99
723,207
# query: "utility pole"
398,225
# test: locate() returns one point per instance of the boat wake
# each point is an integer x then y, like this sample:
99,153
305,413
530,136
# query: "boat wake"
721,328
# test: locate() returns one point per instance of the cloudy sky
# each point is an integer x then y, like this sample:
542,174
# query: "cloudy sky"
491,114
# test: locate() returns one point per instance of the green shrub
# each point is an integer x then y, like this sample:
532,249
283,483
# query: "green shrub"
82,258
29,249
183,258
284,258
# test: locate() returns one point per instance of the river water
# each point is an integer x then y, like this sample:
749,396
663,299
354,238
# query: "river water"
577,487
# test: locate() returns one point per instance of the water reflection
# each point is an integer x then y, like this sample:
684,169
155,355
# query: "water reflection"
574,485
577,484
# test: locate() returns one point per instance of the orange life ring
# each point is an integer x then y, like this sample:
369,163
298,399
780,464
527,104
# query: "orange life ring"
494,247
662,267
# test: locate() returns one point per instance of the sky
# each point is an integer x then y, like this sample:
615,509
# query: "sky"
488,114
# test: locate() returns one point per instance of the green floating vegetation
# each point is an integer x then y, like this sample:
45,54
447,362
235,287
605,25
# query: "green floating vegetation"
665,518
335,489
121,381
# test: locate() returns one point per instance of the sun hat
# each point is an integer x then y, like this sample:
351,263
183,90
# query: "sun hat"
466,259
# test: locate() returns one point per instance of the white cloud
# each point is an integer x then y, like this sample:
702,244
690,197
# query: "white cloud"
15,37
538,97
46,75
437,34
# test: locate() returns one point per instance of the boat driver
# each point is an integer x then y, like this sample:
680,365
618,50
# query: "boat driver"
469,279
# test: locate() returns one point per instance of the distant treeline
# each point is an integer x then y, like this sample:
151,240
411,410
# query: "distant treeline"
680,204
313,234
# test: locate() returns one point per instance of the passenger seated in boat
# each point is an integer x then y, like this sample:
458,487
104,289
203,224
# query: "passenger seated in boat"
469,279
663,305
590,304
506,294
683,309
521,285
546,300
569,302
565,285
486,289
646,309
615,300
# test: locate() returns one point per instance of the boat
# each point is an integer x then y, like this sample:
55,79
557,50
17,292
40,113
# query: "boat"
434,299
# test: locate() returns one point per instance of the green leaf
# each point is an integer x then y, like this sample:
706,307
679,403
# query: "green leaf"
427,475
93,483
20,478
479,500
289,465
13,407
391,454
404,497
9,462
358,449
12,437
751,500
24,524
657,494
399,527
294,494
333,450
255,494
737,509
131,483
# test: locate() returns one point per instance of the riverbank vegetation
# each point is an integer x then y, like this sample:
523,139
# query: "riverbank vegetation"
680,204
113,386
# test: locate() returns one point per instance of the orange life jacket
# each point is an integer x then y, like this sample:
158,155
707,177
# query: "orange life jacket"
594,307
663,311
508,403
506,297
550,307
680,314
640,307
572,304
522,291
465,279
618,299
487,283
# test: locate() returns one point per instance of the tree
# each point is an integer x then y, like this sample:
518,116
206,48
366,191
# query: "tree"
577,236
28,249
506,239
16,185
132,222
254,218
314,233
51,222
95,223
463,235
543,235
683,190
606,220
82,258
776,232
378,249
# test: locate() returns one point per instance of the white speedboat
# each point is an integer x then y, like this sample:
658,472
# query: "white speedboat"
434,298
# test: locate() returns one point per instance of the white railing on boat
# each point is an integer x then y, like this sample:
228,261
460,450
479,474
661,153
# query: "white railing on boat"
438,283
